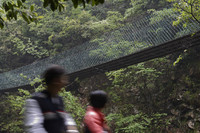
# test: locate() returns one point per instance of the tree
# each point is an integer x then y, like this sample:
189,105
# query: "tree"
12,9
23,43
140,7
188,9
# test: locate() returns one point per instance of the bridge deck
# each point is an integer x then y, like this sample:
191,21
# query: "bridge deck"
179,44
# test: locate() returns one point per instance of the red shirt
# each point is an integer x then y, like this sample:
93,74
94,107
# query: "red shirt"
95,120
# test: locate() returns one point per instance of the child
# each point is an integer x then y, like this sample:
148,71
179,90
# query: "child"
94,119
44,112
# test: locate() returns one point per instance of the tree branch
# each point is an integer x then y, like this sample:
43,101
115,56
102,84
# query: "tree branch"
193,14
189,12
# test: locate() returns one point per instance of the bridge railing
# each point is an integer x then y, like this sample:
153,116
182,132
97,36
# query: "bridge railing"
131,38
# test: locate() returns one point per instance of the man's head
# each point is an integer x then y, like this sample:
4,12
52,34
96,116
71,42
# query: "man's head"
55,78
98,98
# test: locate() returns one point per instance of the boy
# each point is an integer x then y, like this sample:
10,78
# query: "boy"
44,111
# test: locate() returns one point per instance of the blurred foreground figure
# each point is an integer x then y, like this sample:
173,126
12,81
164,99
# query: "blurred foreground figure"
44,111
94,120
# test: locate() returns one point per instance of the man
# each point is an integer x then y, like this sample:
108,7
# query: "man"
44,111
94,119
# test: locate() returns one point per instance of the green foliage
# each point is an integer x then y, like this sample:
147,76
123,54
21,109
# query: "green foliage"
56,32
139,7
138,123
159,15
11,10
72,105
135,94
178,60
139,95
139,71
116,46
14,8
114,17
187,9
28,48
133,85
12,114
13,107
59,31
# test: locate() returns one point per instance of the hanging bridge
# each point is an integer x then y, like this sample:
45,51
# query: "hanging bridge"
135,42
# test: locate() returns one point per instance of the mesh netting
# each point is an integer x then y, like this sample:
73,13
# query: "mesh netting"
131,38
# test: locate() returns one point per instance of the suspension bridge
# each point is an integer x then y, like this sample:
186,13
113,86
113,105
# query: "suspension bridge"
135,42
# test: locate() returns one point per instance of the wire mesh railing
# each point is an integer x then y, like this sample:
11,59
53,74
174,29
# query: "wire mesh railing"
131,38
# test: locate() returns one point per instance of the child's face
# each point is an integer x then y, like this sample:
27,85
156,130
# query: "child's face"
59,83
62,81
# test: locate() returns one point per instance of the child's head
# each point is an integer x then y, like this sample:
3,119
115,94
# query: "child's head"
98,98
55,78
53,73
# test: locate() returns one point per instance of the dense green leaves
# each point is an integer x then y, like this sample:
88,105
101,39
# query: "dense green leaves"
187,9
15,103
138,123
15,8
12,8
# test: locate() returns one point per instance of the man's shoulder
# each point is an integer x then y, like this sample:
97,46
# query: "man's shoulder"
38,95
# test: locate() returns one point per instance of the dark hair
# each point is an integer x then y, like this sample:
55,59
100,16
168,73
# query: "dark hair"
53,72
98,98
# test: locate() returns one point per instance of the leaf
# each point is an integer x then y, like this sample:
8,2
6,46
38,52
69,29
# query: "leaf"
15,15
53,7
24,16
5,6
9,15
83,1
10,5
60,7
97,2
1,23
75,2
32,8
178,60
101,1
35,14
40,17
46,3
185,25
23,1
2,11
93,2
19,3
30,18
